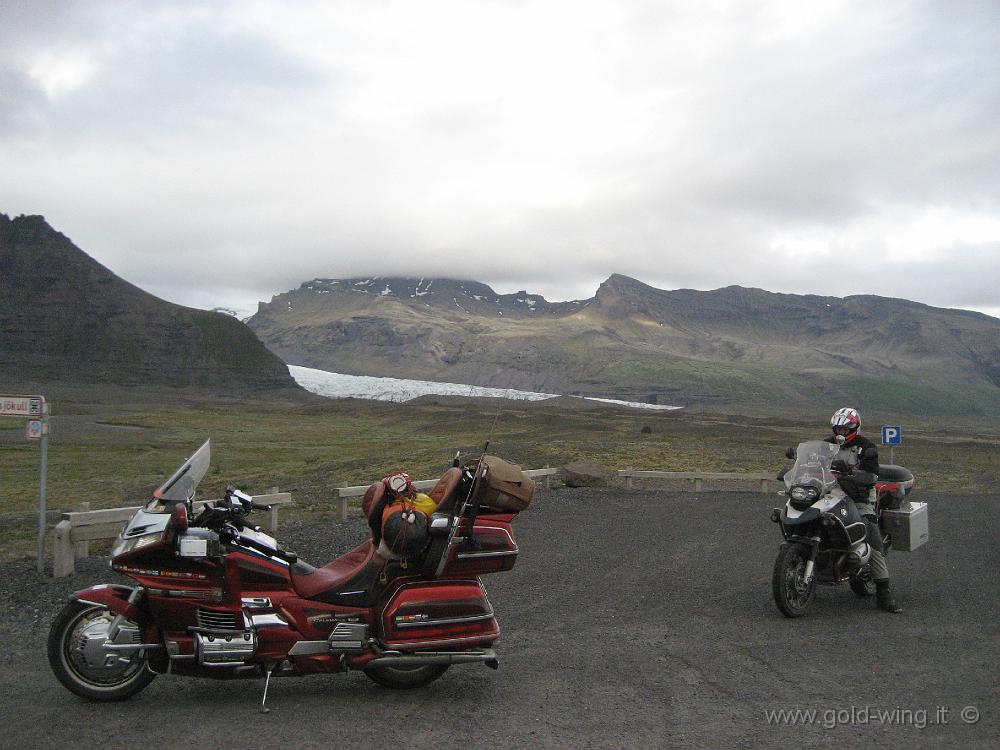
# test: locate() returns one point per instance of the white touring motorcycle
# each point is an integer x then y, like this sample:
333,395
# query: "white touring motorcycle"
825,537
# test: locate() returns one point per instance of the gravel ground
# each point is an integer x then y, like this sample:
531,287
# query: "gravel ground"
632,618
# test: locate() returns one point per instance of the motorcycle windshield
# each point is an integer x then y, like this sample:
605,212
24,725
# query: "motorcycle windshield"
180,487
812,466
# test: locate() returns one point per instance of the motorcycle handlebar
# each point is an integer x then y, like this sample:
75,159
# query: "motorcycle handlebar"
290,557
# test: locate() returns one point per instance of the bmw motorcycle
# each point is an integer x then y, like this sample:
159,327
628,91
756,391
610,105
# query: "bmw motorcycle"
825,537
214,596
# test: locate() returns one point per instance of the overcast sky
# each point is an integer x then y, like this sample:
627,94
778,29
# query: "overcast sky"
220,153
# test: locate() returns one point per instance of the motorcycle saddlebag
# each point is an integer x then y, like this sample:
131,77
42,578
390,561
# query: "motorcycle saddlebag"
502,485
907,525
442,614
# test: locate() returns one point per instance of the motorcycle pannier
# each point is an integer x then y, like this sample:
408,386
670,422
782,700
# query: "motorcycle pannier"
503,486
907,525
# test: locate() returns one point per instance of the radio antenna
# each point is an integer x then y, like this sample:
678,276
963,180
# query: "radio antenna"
480,472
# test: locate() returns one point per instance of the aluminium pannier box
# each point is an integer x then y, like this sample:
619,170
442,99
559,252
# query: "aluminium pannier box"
907,525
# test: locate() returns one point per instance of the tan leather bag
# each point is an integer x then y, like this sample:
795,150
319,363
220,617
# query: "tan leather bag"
502,485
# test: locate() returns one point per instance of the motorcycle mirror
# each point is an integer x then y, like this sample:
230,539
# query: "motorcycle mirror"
179,517
789,453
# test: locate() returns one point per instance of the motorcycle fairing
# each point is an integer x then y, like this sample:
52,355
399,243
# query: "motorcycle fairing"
143,523
113,596
792,517
315,620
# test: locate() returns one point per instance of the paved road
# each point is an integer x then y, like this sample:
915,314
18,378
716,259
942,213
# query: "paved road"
634,618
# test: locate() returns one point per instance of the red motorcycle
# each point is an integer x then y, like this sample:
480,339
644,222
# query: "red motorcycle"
217,597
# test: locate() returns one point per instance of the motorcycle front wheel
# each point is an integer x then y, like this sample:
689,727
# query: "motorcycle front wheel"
792,593
406,678
82,664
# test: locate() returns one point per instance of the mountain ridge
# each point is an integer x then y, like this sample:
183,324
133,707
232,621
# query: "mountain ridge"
636,342
65,318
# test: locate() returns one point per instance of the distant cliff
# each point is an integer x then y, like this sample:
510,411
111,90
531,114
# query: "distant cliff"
731,346
65,318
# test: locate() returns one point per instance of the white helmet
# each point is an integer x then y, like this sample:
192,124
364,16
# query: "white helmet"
846,422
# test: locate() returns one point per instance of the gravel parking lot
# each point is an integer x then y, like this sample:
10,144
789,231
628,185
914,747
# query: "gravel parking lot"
633,618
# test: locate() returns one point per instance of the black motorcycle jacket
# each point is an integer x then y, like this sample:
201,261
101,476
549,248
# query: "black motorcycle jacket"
861,459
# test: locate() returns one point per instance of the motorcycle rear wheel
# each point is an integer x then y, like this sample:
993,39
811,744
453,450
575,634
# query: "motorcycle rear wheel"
791,594
406,678
74,652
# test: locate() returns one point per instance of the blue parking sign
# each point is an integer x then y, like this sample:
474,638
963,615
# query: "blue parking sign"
892,434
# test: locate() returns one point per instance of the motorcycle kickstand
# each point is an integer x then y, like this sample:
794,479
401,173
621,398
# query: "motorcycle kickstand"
267,681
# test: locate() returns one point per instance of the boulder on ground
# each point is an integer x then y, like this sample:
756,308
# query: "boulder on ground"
586,474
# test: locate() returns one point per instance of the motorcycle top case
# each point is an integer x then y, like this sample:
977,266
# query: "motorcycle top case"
907,525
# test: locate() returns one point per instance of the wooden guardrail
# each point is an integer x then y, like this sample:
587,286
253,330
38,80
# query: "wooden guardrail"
76,529
698,477
343,494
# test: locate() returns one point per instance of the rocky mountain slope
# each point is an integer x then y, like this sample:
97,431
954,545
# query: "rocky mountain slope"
64,318
727,347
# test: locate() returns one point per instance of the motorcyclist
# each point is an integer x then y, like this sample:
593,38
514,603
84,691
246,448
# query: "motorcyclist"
857,463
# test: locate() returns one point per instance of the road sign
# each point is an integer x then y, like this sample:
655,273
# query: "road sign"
892,434
36,411
22,406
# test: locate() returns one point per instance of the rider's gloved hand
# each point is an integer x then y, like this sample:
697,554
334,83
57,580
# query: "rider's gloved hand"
840,466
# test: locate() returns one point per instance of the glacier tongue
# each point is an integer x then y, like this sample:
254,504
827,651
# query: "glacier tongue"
337,385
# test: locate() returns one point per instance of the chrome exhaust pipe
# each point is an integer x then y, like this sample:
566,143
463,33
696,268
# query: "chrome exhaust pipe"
486,656
127,648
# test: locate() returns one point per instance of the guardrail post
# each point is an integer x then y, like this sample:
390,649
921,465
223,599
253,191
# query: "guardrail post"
548,479
628,481
82,549
274,513
341,506
63,562
697,485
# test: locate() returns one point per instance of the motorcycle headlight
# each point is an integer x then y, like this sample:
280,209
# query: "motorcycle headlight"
804,493
134,543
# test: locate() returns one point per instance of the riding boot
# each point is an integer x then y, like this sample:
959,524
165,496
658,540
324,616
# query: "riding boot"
883,596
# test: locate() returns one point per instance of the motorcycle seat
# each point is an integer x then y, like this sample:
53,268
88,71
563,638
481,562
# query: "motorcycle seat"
446,485
348,580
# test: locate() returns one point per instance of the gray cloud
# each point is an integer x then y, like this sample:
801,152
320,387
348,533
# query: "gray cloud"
231,151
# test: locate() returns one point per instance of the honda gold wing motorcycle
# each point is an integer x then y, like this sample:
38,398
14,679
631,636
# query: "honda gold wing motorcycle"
214,596
825,537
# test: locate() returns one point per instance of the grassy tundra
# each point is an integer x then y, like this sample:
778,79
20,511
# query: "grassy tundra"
115,454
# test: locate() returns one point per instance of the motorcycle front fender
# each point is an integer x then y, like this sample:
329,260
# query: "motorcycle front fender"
113,596
805,517
799,539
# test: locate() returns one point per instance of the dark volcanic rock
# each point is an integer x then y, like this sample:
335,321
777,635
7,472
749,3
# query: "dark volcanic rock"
65,318
587,474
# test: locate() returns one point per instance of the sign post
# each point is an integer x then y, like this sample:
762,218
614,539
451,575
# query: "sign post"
892,435
36,411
